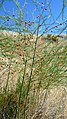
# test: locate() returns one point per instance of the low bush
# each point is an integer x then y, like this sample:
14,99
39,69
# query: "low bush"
52,38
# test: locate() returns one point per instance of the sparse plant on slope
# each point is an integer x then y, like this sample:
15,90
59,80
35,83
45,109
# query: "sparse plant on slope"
52,38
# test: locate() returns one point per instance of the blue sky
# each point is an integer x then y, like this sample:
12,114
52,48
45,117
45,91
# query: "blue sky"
32,10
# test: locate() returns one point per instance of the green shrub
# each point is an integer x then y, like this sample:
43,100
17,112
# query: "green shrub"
52,38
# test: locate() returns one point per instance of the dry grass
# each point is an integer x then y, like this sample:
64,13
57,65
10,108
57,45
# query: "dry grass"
47,97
